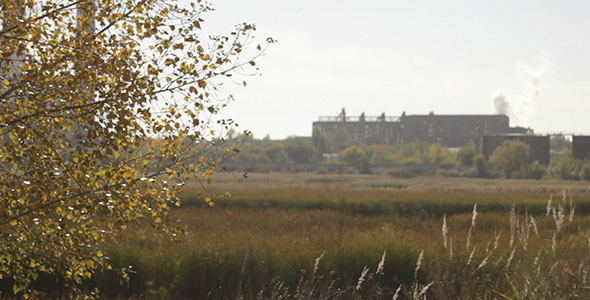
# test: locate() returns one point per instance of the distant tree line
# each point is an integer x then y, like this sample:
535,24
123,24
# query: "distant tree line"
511,160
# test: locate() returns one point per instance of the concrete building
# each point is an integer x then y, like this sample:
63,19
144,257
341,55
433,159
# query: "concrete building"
581,146
538,145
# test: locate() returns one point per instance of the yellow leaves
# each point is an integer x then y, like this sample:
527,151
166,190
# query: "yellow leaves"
209,201
94,141
16,288
90,263
170,172
138,9
33,263
169,61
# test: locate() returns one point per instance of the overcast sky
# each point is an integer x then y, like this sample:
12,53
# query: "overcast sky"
449,57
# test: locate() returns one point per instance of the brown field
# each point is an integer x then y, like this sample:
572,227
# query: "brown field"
236,180
276,225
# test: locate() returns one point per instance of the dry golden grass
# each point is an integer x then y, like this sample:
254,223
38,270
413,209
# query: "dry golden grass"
383,195
290,219
235,180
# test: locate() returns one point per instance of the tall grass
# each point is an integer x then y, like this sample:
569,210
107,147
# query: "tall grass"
512,255
536,249
384,202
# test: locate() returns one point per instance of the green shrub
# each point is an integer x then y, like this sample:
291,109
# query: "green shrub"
565,166
532,171
466,155
299,152
482,167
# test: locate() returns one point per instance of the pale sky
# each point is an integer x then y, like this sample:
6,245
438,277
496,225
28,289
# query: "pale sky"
450,57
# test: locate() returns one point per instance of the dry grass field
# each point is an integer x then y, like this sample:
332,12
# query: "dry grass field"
309,236
385,195
236,180
265,240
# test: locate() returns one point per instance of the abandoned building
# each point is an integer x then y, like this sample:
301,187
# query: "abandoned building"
448,130
538,145
581,146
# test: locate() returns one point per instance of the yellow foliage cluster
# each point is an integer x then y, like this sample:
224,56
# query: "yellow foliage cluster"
106,109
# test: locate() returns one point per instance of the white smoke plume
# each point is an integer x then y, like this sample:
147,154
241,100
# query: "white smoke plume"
541,64
521,107
501,105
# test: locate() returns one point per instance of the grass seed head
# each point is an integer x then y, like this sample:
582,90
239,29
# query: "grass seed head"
361,280
474,216
418,264
510,258
381,264
396,294
445,231
316,265
471,255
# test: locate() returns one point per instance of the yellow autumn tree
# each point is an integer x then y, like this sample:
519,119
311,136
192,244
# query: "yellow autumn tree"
107,108
510,157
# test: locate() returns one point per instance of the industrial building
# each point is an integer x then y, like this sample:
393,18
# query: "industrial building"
448,130
581,146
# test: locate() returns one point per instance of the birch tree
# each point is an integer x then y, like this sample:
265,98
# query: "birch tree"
107,109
